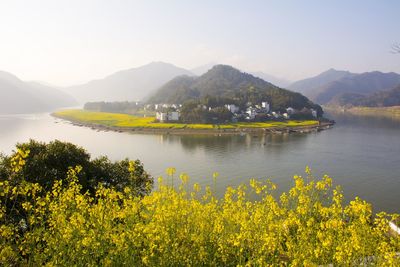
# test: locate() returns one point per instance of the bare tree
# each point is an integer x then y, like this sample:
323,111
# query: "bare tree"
396,48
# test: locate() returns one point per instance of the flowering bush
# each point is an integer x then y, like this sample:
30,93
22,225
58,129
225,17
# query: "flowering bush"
306,226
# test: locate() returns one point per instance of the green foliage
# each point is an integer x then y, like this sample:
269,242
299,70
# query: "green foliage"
194,112
50,162
120,174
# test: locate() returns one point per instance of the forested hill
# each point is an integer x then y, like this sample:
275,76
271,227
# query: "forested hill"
17,96
226,82
365,84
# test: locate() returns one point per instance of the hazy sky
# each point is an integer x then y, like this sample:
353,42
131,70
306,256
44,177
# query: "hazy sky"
73,41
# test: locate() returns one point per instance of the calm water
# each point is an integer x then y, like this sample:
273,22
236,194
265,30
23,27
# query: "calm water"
363,155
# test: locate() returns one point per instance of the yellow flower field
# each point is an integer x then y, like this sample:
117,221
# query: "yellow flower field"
130,121
186,225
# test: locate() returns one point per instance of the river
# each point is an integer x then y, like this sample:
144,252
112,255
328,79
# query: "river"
361,154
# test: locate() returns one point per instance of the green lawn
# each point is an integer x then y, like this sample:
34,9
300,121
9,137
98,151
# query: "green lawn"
130,121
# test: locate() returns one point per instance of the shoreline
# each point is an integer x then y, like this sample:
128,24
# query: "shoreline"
385,112
184,131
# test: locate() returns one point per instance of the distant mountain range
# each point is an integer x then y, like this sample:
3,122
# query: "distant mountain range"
17,96
386,98
227,82
164,82
200,70
127,85
310,85
335,87
272,79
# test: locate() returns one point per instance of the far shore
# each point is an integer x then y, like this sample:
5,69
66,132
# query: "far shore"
388,112
212,131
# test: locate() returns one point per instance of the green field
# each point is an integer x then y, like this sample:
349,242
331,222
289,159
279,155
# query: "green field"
130,121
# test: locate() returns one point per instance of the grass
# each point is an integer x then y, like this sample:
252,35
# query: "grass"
131,121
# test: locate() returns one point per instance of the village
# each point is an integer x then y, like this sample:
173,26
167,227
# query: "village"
252,112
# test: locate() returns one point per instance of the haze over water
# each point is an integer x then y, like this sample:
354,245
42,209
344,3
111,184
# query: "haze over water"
360,154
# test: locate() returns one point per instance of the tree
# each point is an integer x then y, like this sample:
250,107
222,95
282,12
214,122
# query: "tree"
47,163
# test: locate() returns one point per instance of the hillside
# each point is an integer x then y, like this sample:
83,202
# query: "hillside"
355,86
310,85
200,70
17,96
224,81
387,98
127,85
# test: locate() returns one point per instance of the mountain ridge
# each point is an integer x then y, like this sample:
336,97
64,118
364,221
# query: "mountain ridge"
365,84
132,84
308,85
17,96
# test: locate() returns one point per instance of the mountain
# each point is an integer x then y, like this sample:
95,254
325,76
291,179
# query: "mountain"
386,98
17,96
127,85
363,84
310,85
272,79
224,81
200,70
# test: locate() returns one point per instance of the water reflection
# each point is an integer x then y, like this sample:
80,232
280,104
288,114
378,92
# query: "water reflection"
233,143
364,121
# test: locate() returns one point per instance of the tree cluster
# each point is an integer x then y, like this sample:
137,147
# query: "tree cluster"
196,112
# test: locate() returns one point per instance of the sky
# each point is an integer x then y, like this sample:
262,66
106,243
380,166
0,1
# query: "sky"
66,42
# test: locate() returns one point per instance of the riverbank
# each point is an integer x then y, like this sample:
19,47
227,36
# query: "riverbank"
101,121
388,112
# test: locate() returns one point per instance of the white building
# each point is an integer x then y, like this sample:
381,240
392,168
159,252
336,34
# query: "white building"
265,106
167,116
276,115
314,113
173,116
290,110
161,116
232,108
251,113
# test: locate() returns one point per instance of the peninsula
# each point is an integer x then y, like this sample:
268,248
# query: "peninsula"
224,100
130,123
